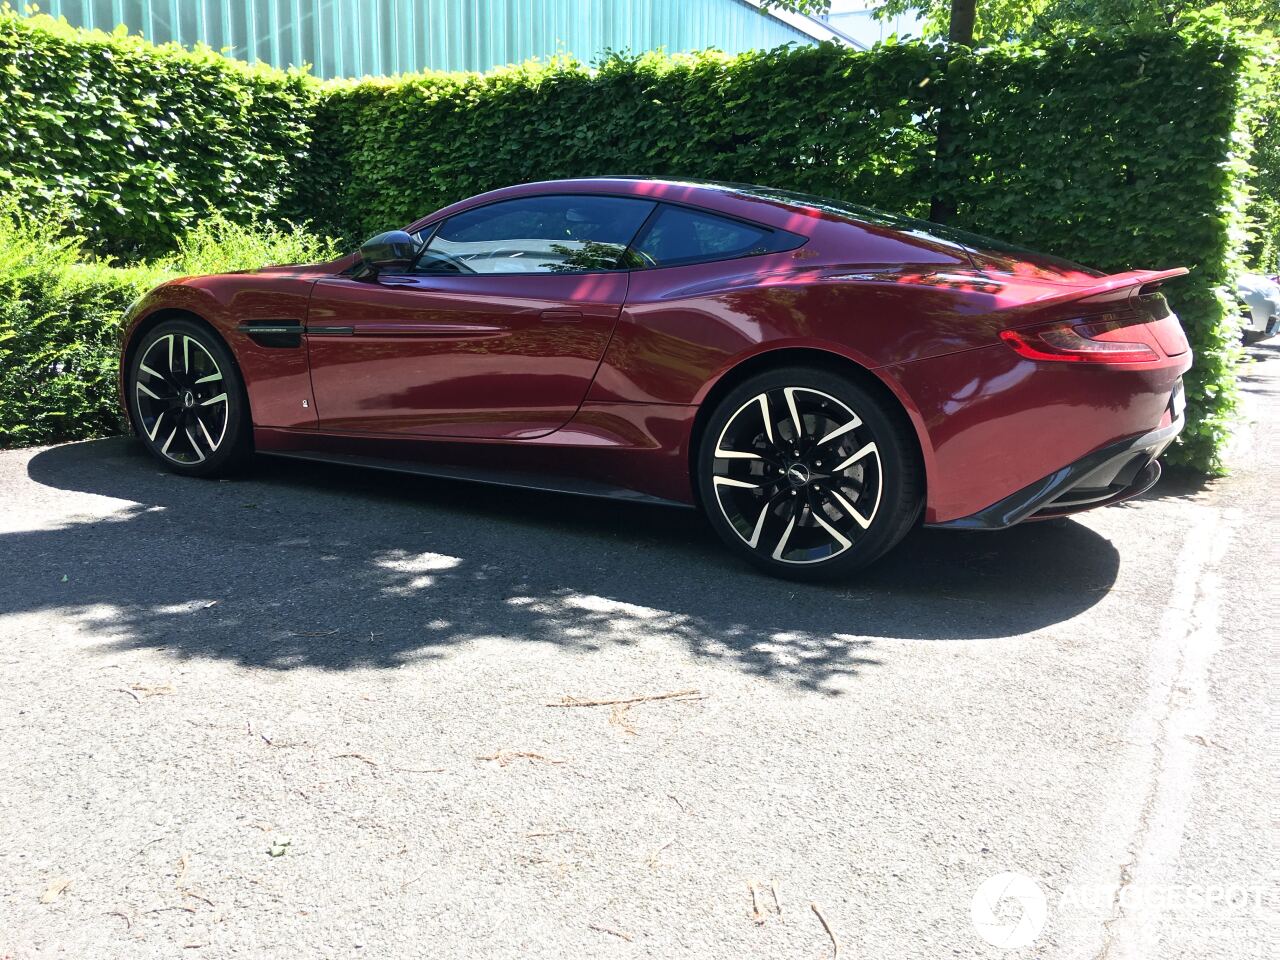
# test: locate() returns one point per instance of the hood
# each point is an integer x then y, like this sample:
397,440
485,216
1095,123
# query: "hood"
289,269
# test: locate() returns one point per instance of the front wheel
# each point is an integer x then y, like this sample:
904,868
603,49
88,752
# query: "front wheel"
808,474
187,401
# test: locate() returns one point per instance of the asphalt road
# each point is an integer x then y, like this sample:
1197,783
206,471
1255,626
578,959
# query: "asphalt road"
305,714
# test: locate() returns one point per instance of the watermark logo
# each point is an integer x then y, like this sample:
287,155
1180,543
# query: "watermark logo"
1009,910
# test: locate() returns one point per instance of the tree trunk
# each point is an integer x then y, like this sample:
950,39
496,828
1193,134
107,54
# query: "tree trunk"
963,15
942,208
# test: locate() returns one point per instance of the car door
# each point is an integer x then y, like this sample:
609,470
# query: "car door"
495,332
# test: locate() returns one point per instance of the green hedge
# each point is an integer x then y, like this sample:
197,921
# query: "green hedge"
59,332
1264,246
818,118
143,140
1120,152
59,350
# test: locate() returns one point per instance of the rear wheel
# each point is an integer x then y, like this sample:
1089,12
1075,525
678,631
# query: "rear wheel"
187,400
808,474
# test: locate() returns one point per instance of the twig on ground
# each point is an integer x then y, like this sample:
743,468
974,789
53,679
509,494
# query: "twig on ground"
128,924
756,915
504,757
157,691
412,880
550,833
835,944
1205,741
777,904
618,718
55,889
356,756
418,769
677,802
653,857
195,896
163,909
136,698
690,694
279,744
616,933
248,724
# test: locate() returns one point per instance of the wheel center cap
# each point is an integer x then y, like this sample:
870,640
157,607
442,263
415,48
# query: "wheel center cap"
188,399
798,474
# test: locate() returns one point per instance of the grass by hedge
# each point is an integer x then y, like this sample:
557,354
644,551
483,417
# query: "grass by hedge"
60,310
1120,152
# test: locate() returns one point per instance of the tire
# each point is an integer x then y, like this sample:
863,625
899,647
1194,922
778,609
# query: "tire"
187,400
815,503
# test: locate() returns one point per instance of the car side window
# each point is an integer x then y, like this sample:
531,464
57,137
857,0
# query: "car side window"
545,234
678,235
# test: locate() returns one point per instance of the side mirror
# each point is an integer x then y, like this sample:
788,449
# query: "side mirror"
393,250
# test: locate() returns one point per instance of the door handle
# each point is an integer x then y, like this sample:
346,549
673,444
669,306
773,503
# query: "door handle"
562,316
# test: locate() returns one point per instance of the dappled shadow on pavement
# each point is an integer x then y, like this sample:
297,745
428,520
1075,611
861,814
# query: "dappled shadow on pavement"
1251,376
330,567
1190,484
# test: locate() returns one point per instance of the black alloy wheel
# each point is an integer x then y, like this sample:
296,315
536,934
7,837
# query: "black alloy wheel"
809,474
187,400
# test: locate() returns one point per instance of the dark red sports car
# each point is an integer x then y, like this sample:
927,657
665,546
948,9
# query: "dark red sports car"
817,377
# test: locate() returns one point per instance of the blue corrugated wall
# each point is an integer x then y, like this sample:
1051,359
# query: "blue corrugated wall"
351,38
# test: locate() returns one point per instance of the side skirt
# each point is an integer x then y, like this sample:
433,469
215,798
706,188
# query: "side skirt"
486,475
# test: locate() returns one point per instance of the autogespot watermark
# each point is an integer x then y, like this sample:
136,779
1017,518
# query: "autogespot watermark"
1010,910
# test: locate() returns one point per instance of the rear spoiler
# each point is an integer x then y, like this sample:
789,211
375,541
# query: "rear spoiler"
1134,278
1118,286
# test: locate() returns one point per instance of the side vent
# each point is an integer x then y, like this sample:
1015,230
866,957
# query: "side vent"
274,333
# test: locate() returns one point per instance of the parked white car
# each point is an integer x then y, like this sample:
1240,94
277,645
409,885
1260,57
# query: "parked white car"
1261,299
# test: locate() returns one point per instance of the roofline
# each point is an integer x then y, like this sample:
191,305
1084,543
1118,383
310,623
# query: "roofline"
809,26
841,35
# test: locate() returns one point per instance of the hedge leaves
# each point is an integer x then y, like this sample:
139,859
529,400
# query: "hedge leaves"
142,140
1122,152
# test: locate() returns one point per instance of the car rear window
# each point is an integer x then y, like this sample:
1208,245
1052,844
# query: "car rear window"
679,235
996,252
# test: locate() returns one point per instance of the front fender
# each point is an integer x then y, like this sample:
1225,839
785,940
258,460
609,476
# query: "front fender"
276,378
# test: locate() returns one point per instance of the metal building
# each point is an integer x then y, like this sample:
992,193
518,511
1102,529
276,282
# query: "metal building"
352,38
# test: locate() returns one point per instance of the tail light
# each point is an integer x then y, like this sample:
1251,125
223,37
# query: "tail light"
1101,340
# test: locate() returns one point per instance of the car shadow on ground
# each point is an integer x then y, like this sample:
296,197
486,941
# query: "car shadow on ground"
302,564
